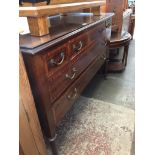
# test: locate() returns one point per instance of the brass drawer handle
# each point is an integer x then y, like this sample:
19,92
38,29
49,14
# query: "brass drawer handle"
72,97
73,76
77,49
53,62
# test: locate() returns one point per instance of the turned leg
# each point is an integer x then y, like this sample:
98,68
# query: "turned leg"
53,145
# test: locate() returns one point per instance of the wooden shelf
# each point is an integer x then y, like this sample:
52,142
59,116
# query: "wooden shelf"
49,10
37,16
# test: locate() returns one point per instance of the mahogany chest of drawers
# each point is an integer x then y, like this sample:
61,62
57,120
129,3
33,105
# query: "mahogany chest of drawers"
60,65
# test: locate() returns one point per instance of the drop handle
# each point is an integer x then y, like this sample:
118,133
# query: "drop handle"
77,49
72,97
54,62
72,76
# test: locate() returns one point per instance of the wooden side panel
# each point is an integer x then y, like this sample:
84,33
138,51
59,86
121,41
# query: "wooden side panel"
21,152
26,137
31,138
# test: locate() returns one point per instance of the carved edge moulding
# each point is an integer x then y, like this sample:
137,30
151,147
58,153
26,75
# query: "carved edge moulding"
37,16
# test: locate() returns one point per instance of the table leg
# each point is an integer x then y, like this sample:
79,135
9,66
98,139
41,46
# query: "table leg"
53,145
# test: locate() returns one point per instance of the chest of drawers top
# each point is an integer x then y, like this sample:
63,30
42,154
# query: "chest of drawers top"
63,27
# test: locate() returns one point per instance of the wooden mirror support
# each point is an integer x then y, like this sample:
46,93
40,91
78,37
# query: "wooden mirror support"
37,16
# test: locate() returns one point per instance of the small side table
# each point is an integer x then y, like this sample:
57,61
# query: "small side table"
117,41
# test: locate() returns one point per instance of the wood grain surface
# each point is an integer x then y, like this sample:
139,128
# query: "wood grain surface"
31,138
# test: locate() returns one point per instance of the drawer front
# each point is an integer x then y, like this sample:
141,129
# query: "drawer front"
81,62
56,59
99,48
78,45
91,71
64,103
59,82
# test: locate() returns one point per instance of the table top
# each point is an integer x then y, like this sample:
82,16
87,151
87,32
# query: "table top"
120,36
63,26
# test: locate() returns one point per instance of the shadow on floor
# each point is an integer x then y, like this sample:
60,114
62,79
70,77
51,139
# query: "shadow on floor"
119,88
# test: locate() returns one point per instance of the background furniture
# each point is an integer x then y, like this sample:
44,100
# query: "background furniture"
120,38
38,16
61,64
31,140
116,62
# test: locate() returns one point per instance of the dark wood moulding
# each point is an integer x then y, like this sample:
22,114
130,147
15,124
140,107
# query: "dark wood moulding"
63,28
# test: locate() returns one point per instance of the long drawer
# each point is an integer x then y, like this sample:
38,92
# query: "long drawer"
64,103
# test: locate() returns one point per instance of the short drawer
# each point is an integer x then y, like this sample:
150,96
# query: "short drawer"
56,59
81,62
85,59
78,45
